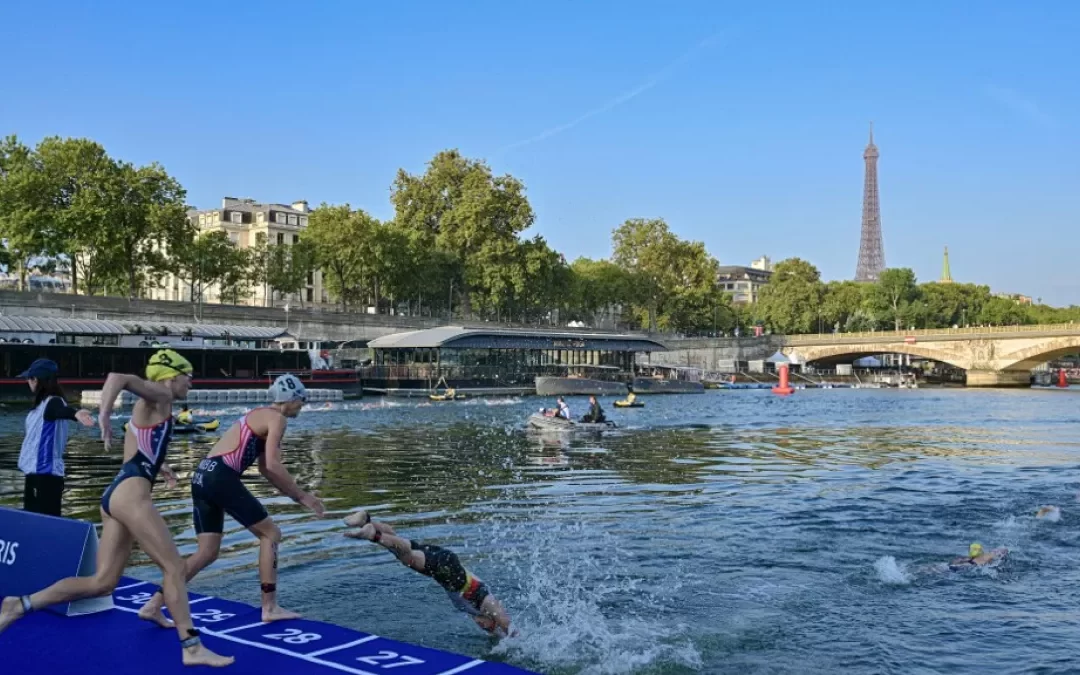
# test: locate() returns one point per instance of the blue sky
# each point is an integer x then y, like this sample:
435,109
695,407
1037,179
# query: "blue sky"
743,126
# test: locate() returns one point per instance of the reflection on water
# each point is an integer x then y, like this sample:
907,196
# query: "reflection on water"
731,532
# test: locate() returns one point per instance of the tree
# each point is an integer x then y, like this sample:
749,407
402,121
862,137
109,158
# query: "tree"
791,300
287,268
841,300
894,294
541,280
146,211
644,249
202,262
460,208
1002,312
673,282
24,206
337,233
77,172
597,285
238,279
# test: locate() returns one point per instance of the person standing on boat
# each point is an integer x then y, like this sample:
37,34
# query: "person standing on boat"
127,510
42,454
217,489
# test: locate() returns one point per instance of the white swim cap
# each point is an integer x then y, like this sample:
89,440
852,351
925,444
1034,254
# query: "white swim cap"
287,388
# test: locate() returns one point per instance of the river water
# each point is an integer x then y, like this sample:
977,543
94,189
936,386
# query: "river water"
731,532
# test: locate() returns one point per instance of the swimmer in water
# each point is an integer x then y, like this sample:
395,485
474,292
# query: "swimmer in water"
977,558
468,593
1052,513
217,489
127,509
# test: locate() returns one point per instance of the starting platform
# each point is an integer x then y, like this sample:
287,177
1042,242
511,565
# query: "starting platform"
117,642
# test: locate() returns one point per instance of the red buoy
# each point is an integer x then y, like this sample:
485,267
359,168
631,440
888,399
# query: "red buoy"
784,388
1063,379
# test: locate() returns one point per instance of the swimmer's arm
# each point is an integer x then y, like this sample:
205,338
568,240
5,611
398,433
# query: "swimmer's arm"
152,392
271,466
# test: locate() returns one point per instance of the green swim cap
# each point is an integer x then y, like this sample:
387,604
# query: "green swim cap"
975,550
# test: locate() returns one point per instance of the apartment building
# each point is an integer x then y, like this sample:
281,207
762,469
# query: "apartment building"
247,223
744,283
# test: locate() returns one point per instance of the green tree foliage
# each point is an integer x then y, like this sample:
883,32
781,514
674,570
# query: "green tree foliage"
672,284
109,221
288,268
203,262
895,296
791,302
78,174
146,207
1002,312
24,205
597,286
842,303
338,234
461,209
237,282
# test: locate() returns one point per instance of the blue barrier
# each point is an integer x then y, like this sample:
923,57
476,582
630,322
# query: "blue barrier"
37,550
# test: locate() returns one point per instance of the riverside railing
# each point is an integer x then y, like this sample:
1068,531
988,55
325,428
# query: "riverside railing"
1067,328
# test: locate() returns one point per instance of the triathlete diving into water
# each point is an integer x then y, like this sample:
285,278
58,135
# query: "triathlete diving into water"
216,489
468,593
128,514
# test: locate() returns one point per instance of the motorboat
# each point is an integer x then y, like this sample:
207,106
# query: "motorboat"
541,421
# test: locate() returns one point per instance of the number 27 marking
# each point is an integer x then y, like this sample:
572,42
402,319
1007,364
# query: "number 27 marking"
384,655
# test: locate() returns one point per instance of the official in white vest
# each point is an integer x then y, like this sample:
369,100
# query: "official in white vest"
42,455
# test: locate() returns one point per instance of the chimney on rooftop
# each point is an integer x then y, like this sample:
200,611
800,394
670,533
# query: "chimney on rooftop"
301,206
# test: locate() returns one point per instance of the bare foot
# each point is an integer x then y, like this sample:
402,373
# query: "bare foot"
201,656
151,612
366,532
357,519
276,613
10,610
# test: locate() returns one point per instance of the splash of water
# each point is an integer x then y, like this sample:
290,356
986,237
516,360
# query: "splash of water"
501,401
891,572
582,609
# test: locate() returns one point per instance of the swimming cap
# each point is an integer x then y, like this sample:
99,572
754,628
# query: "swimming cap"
287,388
166,364
975,550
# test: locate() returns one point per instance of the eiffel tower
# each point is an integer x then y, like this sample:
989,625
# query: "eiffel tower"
871,249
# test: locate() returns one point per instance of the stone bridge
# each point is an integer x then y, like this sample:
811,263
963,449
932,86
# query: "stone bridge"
997,356
992,356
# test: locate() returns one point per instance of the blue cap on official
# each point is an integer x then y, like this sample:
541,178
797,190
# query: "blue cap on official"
41,368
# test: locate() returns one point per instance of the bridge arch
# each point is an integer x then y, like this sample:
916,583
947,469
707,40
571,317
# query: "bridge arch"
1032,356
839,353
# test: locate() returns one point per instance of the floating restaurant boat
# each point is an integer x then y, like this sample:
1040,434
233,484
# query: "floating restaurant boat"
224,356
491,361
